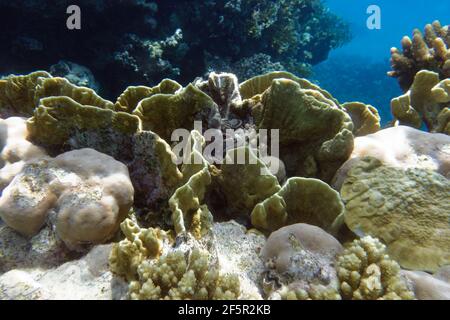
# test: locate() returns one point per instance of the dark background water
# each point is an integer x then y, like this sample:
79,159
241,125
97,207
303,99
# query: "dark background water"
357,71
128,42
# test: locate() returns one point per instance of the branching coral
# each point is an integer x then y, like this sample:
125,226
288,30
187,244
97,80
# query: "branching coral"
428,51
177,276
139,244
367,273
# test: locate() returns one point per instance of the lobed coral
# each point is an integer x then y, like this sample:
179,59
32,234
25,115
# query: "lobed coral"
427,101
16,150
367,273
425,51
83,193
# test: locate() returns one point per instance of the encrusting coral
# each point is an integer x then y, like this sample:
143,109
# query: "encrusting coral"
428,51
408,209
400,147
367,273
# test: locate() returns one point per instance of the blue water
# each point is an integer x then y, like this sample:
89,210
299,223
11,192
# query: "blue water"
367,55
398,18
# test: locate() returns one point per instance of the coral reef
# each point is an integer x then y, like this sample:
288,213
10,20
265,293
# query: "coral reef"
16,150
300,263
428,287
425,51
313,124
166,38
426,102
79,167
75,73
400,147
408,209
84,193
367,273
300,200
